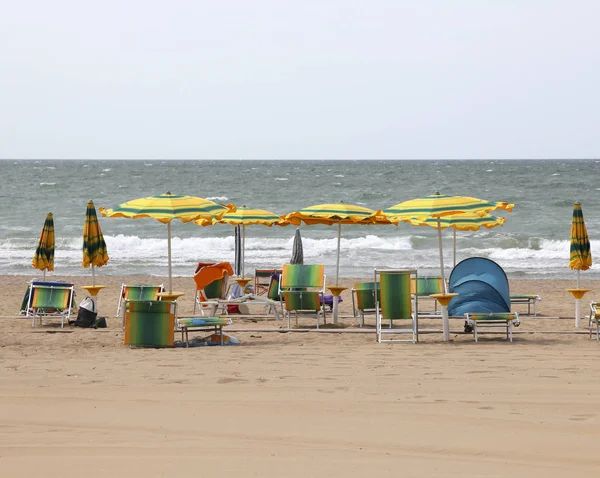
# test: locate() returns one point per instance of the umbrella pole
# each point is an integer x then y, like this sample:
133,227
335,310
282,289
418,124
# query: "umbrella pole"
454,230
441,255
243,248
169,254
578,304
337,264
44,275
93,276
445,320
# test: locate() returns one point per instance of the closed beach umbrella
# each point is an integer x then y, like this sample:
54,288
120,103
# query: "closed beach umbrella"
244,216
297,252
43,259
165,208
329,214
94,247
237,267
435,208
461,222
580,258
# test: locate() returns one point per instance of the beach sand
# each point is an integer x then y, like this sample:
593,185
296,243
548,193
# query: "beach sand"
79,403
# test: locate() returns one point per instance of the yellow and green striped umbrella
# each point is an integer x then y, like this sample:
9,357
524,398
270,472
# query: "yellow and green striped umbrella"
436,207
94,247
165,208
338,213
244,216
461,222
43,259
580,253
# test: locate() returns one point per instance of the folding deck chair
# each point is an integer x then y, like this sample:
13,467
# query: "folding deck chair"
211,280
526,299
49,300
138,292
396,303
425,286
364,299
301,288
149,323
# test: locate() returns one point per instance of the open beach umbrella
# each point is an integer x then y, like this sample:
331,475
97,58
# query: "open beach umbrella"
580,258
297,251
461,222
43,259
244,216
165,208
94,247
435,207
339,213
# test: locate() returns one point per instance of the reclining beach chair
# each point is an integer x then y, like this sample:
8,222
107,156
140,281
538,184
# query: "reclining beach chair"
49,300
364,299
425,286
483,296
396,303
211,280
262,280
594,319
149,323
301,288
138,292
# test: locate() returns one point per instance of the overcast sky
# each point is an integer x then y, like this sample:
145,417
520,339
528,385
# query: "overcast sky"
309,79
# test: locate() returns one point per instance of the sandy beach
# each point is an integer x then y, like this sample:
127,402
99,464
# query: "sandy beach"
77,402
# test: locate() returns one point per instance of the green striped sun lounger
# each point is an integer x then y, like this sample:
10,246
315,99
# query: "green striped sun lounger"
425,286
207,324
149,323
505,320
364,299
396,304
301,288
526,299
138,292
50,300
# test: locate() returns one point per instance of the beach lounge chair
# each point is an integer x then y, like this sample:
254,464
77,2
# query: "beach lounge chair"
301,288
138,292
149,323
262,280
49,300
425,286
594,321
396,303
205,324
364,299
526,299
483,296
211,280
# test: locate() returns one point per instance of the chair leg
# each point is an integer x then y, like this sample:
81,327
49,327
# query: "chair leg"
475,331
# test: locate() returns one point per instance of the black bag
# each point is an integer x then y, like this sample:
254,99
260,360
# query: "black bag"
100,323
86,316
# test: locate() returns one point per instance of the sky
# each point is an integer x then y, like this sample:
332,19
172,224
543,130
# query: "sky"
310,79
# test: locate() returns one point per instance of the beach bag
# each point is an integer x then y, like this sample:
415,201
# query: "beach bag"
86,316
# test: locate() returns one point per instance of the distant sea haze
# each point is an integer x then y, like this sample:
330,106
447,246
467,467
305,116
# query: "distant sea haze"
534,242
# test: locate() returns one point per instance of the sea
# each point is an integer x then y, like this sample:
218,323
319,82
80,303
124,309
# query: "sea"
532,244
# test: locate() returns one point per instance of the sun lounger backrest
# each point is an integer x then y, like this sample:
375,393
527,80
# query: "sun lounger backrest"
48,296
303,275
216,289
427,285
273,292
396,302
149,323
142,291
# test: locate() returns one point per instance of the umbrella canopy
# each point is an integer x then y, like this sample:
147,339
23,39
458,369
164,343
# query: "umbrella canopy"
244,216
461,222
436,207
297,252
43,259
340,213
580,254
94,247
165,208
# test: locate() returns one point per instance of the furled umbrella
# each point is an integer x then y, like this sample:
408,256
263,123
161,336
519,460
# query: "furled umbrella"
94,247
297,250
237,267
43,259
244,216
580,258
329,214
165,208
461,222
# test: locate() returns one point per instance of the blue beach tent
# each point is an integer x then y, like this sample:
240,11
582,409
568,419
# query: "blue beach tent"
482,287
